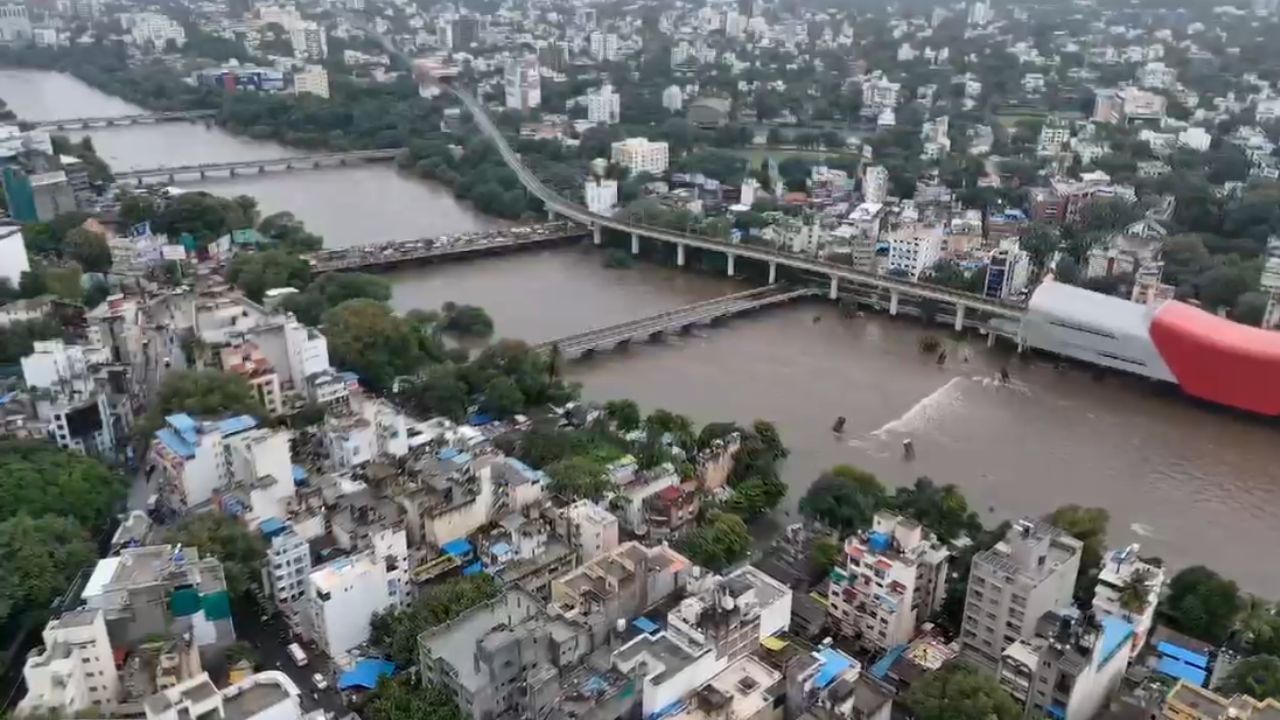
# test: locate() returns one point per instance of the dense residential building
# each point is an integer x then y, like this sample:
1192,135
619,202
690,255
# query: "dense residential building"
1192,702
875,184
15,25
604,105
155,29
247,361
522,83
604,46
74,670
268,695
591,529
673,98
1069,667
286,569
891,579
310,41
343,597
601,195
1119,569
640,155
13,254
1008,272
313,80
1031,572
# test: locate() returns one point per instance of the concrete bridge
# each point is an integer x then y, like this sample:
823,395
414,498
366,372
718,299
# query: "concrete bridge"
834,272
82,123
392,254
673,321
297,162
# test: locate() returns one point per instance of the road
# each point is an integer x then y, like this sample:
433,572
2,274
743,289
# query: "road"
163,321
270,640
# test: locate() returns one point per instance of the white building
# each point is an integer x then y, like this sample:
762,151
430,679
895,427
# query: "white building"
1196,138
875,184
308,352
601,195
890,580
154,28
673,98
1157,76
1069,667
192,461
878,94
1052,138
604,46
74,671
286,569
1119,568
639,155
979,13
915,248
13,254
344,596
593,530
604,105
747,191
15,25
522,83
1008,271
269,695
313,79
54,365
257,472
309,41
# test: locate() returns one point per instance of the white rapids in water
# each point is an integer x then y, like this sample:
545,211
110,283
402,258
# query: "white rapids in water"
932,406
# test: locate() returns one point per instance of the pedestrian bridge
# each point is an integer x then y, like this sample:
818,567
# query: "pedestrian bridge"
673,321
80,123
297,162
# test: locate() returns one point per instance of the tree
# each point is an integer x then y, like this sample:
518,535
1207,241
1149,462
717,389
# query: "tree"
333,289
678,426
438,392
239,549
1201,604
844,498
88,248
624,414
201,393
39,557
466,320
396,632
1135,594
1039,242
368,338
579,477
502,398
17,339
826,553
719,542
39,478
957,692
256,273
1258,677
1250,308
943,509
135,209
403,698
1089,526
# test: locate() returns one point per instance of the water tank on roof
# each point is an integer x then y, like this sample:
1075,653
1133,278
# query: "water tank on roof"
621,625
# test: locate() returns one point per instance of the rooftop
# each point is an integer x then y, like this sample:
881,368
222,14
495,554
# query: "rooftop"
455,642
739,691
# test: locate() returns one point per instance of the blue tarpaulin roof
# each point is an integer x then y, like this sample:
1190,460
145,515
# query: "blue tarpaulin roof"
4,399
479,419
299,475
176,443
1182,654
834,663
349,377
366,673
500,549
448,453
474,568
239,423
461,458
184,424
645,625
881,668
1115,632
272,526
1181,671
458,548
1056,710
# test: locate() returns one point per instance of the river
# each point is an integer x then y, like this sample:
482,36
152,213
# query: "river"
1194,485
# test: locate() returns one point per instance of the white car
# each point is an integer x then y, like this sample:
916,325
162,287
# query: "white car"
320,682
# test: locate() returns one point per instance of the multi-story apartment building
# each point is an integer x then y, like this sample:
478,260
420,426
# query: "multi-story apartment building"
893,577
590,529
1192,702
286,569
875,184
1069,667
604,46
343,597
604,105
522,83
309,41
247,361
601,195
1031,572
1119,568
639,155
74,671
311,80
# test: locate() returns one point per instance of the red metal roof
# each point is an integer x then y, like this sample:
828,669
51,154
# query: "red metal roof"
1219,360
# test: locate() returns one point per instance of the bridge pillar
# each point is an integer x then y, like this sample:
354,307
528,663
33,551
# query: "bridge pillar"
595,235
991,338
635,244
833,291
171,178
203,175
773,272
893,303
680,254
731,257
959,318
551,216
233,171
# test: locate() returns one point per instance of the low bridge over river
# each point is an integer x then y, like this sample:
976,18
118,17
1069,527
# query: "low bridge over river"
84,123
297,162
402,252
674,321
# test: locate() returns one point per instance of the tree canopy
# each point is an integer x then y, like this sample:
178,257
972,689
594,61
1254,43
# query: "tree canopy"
403,698
221,536
957,692
465,320
845,498
365,336
579,477
1257,676
719,542
39,557
257,272
88,248
331,290
1202,604
1089,526
39,478
201,392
